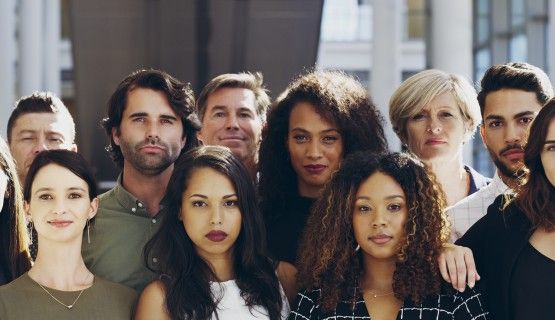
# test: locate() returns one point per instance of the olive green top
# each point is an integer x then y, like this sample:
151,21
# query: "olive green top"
23,298
118,235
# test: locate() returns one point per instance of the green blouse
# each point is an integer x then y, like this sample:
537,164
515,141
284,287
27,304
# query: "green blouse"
23,298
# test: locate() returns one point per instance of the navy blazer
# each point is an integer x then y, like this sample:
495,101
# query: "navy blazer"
496,241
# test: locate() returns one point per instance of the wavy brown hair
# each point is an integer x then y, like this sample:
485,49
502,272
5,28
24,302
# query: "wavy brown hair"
15,259
328,259
339,99
536,197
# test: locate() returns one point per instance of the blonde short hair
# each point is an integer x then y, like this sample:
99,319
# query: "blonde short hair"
418,90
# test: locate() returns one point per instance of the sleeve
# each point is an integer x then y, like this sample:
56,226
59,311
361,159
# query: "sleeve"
469,306
305,306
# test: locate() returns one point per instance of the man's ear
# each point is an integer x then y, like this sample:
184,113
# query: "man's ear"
115,135
483,134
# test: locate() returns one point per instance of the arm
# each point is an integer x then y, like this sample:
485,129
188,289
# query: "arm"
287,276
152,303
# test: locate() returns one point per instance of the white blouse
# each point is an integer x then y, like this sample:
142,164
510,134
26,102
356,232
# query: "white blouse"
233,307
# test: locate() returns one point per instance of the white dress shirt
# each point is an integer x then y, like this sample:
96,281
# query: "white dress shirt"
463,214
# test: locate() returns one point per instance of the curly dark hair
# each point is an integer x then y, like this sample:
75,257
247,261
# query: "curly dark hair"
328,259
185,275
536,197
180,97
339,99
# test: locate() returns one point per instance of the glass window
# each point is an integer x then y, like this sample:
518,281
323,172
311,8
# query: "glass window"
416,19
518,48
347,20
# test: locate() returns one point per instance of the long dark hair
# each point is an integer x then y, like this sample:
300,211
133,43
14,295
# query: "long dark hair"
536,196
14,255
185,275
339,99
328,259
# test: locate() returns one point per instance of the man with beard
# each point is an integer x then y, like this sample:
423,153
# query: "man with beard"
151,121
512,94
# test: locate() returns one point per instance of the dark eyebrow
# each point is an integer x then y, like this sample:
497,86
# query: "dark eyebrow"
168,117
387,198
516,116
323,131
198,195
69,189
549,141
230,196
523,114
138,114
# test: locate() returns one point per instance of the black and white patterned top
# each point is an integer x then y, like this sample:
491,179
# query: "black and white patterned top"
457,306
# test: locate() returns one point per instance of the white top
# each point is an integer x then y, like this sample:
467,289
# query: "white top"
463,214
233,307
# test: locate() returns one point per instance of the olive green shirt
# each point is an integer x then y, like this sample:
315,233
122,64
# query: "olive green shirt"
118,235
23,298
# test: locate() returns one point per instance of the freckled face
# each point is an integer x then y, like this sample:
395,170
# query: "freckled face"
438,130
210,213
548,153
315,147
379,217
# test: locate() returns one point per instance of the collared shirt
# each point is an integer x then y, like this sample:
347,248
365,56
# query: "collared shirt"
118,235
463,214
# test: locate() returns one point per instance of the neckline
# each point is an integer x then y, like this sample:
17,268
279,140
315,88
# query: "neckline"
60,291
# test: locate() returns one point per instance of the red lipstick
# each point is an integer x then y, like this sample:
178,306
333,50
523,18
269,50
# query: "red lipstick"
315,168
216,235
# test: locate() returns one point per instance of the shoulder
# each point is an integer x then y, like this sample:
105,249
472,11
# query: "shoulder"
477,179
113,286
152,302
450,304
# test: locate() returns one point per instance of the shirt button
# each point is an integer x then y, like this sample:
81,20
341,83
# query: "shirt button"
155,260
140,205
153,220
133,209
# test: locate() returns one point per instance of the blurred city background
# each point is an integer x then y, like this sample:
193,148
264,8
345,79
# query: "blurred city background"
81,49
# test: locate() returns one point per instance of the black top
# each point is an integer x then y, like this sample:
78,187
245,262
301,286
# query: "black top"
285,228
460,306
496,241
533,286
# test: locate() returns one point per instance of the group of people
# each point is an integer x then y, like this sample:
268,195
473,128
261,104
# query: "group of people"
231,206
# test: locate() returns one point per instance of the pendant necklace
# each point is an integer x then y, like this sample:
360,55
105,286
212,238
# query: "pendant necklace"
60,302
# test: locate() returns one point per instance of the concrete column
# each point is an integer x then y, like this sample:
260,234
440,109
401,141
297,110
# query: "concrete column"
52,76
30,46
386,59
449,43
7,62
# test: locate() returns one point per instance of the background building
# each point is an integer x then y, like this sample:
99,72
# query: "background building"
381,42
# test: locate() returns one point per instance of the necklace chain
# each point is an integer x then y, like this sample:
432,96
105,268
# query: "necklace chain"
375,295
60,302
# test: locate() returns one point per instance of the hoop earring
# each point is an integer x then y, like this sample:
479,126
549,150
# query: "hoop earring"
89,231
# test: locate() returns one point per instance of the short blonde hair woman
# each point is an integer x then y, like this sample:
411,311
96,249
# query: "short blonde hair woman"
434,113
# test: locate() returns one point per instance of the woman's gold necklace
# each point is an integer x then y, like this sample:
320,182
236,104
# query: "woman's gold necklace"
376,295
60,302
